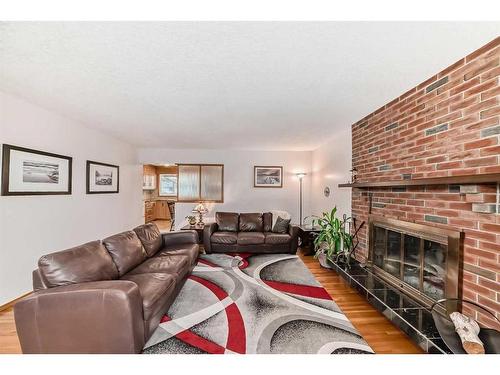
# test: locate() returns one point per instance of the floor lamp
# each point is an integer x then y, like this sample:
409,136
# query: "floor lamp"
300,176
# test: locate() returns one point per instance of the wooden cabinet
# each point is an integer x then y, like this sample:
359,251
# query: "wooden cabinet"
149,211
154,210
161,210
149,177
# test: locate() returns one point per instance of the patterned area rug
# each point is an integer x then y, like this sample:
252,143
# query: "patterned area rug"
247,303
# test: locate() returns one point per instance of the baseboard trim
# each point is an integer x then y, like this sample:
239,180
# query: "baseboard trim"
10,304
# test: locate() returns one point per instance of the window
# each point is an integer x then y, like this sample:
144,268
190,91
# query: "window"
201,182
168,185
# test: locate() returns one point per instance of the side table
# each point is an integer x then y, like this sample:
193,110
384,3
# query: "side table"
307,234
198,228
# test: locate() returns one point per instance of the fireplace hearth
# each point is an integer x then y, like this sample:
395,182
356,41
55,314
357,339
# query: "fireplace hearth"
420,260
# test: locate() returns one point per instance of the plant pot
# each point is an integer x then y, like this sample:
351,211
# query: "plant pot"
324,262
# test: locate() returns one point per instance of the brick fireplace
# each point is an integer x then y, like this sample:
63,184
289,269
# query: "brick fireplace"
446,126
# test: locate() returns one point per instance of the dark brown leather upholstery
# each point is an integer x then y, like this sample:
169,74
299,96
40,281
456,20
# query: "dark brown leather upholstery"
155,289
171,264
216,240
108,316
276,238
126,250
80,264
227,221
228,238
251,222
150,237
38,282
293,230
189,250
251,238
267,220
209,229
180,238
93,317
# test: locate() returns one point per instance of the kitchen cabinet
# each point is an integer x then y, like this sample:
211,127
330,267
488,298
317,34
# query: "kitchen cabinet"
149,177
154,210
149,182
149,211
161,210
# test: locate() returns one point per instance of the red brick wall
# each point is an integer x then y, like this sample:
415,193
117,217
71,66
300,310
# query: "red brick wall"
446,126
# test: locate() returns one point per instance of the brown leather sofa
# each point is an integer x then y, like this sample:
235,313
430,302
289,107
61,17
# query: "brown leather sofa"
247,232
105,296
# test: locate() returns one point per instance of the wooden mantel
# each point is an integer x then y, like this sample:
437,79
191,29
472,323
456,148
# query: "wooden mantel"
449,180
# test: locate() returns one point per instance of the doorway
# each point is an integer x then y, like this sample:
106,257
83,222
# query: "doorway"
160,194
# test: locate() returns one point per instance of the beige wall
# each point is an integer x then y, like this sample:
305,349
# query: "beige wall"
31,226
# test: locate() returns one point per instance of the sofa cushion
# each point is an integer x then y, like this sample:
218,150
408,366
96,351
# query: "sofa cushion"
227,221
150,237
155,289
126,250
80,264
224,238
251,238
251,222
267,221
277,238
177,265
190,250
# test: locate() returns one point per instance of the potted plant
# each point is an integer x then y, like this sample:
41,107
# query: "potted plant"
333,240
191,220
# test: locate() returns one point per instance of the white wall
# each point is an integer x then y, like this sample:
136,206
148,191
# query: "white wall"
31,226
239,193
330,166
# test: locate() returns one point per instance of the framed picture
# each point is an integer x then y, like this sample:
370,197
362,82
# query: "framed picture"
265,176
102,178
32,172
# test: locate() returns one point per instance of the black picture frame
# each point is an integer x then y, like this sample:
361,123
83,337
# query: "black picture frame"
279,168
87,183
6,152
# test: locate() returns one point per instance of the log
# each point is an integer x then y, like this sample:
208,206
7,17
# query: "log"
468,330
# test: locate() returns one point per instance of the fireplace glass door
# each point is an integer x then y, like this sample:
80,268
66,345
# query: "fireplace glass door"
434,269
412,261
416,260
392,263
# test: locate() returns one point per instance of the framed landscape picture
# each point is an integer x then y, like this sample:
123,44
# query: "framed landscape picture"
266,176
32,172
102,178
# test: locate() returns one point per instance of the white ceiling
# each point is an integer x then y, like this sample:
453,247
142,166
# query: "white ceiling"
234,85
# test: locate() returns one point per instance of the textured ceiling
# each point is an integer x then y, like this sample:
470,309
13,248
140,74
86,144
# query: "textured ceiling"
238,85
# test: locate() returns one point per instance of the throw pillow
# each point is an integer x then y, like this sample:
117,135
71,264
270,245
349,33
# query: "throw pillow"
281,225
275,214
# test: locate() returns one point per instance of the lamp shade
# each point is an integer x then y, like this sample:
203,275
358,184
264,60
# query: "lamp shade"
200,208
301,175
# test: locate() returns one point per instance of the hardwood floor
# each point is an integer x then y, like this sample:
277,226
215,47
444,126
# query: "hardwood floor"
9,343
377,330
380,334
163,225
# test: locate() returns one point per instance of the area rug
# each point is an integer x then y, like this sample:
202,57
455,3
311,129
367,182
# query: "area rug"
248,303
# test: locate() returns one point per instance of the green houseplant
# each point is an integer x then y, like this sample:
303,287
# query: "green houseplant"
333,240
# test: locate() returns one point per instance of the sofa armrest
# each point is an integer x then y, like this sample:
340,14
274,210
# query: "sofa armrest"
293,231
207,233
180,237
93,317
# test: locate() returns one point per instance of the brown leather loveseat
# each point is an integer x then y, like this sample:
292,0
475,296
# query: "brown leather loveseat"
247,232
105,296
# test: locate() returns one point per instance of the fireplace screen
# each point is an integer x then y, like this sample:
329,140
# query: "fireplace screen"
421,260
